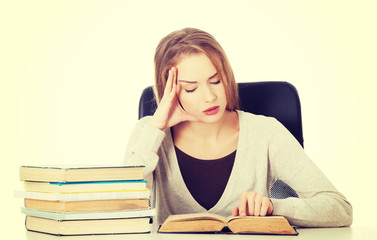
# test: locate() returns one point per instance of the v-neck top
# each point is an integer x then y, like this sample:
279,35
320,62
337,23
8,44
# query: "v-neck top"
205,179
266,151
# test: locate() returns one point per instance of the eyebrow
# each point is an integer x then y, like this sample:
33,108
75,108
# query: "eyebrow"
186,81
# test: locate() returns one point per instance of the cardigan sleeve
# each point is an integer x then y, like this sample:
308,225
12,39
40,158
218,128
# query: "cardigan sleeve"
143,146
319,203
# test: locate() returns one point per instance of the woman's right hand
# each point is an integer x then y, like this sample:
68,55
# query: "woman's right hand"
169,112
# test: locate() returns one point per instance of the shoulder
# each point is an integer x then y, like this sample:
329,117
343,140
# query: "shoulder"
265,128
256,120
259,126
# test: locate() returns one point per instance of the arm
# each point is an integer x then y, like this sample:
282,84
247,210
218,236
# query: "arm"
143,145
149,131
320,204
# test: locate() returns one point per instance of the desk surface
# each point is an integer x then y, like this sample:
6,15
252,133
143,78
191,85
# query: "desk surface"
304,233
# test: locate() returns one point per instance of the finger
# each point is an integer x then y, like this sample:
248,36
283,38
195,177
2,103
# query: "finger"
176,87
242,204
172,79
258,204
235,211
265,206
168,86
179,87
174,70
251,203
174,83
270,209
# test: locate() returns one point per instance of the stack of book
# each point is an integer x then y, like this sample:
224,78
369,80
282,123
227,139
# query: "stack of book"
86,200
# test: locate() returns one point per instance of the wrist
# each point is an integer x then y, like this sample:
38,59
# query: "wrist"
155,124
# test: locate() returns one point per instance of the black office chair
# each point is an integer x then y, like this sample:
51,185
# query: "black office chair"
275,99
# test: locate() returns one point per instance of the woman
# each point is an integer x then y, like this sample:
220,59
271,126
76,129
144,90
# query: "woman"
203,154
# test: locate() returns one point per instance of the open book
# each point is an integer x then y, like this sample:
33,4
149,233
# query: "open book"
208,222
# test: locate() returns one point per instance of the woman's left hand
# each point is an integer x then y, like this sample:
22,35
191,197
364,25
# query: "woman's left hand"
253,204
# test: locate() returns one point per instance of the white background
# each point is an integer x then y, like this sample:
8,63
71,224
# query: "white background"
72,73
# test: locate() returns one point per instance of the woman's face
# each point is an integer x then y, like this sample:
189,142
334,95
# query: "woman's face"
200,88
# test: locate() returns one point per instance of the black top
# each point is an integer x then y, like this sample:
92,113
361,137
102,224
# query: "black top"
205,179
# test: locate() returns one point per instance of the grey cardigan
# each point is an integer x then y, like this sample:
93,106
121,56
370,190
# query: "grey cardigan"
266,152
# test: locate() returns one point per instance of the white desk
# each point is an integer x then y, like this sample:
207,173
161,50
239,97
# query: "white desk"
304,233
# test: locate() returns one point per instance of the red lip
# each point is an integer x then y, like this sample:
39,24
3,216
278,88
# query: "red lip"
212,110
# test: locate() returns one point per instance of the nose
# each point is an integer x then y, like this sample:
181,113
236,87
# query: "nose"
209,94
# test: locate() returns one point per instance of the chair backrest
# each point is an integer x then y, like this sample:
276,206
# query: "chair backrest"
274,99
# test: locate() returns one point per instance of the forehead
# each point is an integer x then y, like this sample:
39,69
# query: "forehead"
195,68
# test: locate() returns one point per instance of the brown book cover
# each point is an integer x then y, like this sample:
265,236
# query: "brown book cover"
87,206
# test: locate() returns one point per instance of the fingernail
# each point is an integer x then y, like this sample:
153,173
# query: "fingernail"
243,214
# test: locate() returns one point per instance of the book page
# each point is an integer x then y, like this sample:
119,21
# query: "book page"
230,218
196,216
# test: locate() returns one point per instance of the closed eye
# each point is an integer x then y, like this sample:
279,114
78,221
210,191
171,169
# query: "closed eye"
217,82
190,90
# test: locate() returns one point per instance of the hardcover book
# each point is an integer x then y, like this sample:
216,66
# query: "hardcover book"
88,206
85,227
71,187
89,215
80,173
208,222
126,194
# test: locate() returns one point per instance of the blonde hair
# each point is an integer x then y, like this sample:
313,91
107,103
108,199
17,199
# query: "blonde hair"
189,41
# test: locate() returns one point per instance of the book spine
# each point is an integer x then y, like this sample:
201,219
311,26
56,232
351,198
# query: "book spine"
65,197
96,182
61,216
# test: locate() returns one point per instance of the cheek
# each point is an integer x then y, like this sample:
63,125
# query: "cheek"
224,97
185,100
189,102
221,95
224,94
